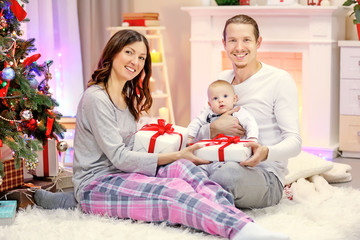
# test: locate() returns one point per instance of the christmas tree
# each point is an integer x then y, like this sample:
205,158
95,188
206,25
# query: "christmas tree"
27,115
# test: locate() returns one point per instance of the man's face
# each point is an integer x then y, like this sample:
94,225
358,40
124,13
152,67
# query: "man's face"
241,45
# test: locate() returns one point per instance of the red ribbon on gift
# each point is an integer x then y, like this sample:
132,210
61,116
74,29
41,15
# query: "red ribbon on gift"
220,139
46,159
161,129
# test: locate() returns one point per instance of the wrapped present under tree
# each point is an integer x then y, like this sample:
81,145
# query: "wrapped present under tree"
27,115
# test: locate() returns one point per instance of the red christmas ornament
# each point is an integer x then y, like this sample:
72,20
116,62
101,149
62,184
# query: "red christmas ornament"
4,87
3,23
31,124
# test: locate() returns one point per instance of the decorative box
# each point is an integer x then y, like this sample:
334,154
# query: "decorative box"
13,177
160,138
223,149
7,212
24,195
48,160
63,180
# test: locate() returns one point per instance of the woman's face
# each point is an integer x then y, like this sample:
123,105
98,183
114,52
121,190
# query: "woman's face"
130,61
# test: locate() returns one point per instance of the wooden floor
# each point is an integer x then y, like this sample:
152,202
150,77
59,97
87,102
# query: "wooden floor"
355,171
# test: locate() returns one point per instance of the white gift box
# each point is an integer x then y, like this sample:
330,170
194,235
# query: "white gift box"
223,152
168,138
48,160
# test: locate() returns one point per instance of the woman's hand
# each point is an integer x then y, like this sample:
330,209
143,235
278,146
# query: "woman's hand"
188,153
260,153
227,124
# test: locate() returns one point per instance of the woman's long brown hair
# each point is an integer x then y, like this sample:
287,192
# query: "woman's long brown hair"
136,92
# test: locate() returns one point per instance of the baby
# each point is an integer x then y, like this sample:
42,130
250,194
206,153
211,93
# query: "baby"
222,98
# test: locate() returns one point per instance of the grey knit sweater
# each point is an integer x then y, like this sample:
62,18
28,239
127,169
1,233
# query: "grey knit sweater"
104,136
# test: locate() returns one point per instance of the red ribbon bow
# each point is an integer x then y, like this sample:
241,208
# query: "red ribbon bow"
161,128
220,139
31,59
18,11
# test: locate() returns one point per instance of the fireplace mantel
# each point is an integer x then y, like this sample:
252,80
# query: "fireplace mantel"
290,10
311,30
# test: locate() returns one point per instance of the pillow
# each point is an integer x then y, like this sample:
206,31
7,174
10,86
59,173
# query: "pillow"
306,165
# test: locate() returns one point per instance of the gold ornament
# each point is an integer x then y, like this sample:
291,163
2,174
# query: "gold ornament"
62,146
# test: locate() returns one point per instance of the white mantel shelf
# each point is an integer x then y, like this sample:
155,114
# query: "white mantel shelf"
312,31
291,10
349,43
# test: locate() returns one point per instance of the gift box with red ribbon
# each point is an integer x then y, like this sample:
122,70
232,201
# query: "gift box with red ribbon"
160,137
223,149
48,160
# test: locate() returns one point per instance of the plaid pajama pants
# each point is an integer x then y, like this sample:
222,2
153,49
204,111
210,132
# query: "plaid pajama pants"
179,194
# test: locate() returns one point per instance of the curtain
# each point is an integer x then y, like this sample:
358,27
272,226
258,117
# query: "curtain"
72,34
95,16
54,25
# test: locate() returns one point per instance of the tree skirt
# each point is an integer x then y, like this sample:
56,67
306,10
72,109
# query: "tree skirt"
336,218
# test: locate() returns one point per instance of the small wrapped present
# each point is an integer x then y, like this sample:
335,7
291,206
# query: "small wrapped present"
13,177
160,138
7,212
63,180
223,149
48,160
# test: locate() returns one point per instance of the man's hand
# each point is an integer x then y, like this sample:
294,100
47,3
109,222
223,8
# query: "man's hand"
227,124
260,153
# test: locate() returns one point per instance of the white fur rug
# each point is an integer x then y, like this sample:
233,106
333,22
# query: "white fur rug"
336,218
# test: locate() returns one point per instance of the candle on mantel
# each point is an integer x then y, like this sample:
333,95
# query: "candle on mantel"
155,56
152,85
164,114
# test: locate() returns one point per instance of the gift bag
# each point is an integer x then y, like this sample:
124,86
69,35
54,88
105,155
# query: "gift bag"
223,149
160,138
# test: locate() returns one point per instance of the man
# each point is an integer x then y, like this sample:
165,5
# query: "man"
270,95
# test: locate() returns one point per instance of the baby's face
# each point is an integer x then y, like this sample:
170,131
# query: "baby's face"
221,99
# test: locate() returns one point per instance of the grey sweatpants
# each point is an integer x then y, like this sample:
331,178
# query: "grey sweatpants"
252,187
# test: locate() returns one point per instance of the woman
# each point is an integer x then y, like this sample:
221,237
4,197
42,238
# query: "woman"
110,179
